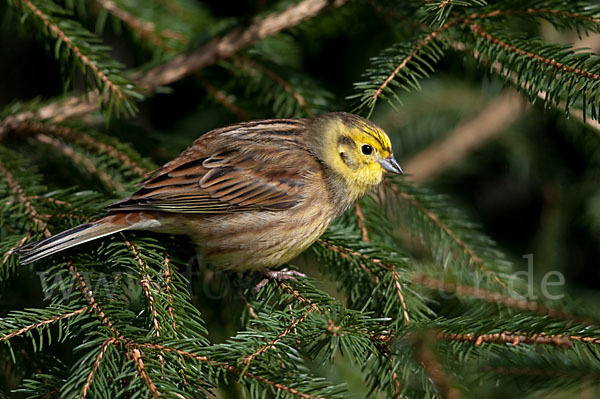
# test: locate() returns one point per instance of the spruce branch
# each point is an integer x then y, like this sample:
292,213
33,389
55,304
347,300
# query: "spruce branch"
233,369
221,97
497,298
228,45
551,62
515,338
79,137
22,199
437,375
146,29
90,377
136,355
113,90
80,159
251,65
40,324
181,65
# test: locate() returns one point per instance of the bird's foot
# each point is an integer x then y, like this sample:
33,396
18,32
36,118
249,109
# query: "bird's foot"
283,274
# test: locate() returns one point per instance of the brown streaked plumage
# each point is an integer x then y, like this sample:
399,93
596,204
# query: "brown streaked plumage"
251,195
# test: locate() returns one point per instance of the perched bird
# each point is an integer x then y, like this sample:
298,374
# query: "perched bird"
252,195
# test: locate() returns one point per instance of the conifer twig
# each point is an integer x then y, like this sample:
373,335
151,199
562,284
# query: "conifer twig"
20,195
247,359
434,370
496,297
240,61
136,355
182,65
512,338
78,158
8,253
90,377
168,291
221,97
145,29
89,296
68,134
233,369
58,32
42,323
145,284
479,31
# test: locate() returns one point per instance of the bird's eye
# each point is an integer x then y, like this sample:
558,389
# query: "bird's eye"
367,149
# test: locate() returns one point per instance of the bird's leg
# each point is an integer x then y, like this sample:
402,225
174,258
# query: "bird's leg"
283,274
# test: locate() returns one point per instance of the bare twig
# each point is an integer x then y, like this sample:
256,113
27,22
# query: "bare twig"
495,118
362,225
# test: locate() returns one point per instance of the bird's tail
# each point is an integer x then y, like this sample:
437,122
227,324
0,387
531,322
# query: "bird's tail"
67,239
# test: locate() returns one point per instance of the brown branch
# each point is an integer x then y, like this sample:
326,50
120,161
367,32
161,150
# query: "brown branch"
228,45
182,65
240,61
136,356
95,366
496,298
20,196
233,369
508,337
78,158
439,378
46,322
347,252
52,201
493,120
362,225
73,48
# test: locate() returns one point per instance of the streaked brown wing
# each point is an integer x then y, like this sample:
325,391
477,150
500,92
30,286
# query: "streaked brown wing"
245,175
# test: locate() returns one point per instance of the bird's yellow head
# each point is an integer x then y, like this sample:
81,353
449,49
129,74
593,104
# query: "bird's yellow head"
356,150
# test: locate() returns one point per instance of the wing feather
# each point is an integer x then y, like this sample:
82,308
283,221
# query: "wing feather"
223,173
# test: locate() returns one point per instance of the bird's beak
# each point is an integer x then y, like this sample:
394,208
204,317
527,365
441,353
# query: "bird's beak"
391,165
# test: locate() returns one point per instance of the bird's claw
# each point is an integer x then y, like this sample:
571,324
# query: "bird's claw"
283,274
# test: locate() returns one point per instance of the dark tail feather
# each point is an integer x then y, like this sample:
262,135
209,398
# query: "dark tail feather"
67,239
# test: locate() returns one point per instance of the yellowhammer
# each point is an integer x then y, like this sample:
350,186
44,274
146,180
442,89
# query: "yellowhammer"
251,195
